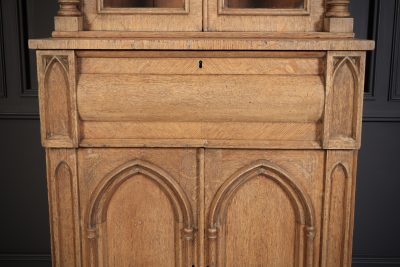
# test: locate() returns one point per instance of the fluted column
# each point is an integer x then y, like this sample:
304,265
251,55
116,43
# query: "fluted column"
338,17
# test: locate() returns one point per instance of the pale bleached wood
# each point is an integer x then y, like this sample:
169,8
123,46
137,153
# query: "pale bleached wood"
198,148
147,3
190,65
273,4
343,101
202,44
201,98
214,15
242,179
69,17
338,208
337,16
99,18
152,209
240,132
201,214
297,185
338,25
337,8
231,35
209,143
57,101
62,182
265,9
69,8
308,19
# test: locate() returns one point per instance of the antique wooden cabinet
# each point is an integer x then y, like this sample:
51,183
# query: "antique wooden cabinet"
201,132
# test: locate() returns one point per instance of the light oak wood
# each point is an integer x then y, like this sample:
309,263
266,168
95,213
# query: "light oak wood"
306,19
262,207
337,16
168,145
57,100
69,8
207,15
229,44
217,35
273,4
201,190
208,98
211,63
210,132
344,92
62,182
135,212
101,18
69,17
141,4
337,8
338,208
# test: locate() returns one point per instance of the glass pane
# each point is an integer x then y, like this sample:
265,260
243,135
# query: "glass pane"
144,3
264,3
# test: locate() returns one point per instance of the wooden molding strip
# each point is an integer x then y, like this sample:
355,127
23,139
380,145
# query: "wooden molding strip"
191,43
34,258
241,35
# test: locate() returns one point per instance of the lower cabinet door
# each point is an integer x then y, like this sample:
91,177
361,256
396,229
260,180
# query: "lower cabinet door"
263,207
138,206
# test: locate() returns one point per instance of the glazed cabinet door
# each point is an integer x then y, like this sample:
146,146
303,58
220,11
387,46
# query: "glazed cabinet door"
264,15
143,15
263,207
138,207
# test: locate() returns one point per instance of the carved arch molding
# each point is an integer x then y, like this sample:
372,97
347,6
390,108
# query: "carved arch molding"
346,83
103,194
56,93
303,210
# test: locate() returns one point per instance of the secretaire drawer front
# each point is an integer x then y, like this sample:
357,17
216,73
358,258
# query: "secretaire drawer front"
202,96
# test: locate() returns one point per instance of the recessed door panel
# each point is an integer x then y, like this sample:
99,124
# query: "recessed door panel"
260,226
262,207
140,225
138,207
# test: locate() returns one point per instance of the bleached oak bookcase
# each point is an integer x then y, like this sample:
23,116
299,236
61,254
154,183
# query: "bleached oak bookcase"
201,132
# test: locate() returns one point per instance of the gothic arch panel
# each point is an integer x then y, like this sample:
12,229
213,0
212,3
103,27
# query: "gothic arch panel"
64,204
56,93
252,194
344,98
338,220
141,201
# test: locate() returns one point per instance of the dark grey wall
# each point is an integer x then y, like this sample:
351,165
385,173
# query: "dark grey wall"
24,228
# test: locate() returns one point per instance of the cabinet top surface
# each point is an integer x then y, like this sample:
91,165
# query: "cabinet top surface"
205,41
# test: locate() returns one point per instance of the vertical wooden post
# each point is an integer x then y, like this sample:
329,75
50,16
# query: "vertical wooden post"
69,8
69,16
337,9
337,16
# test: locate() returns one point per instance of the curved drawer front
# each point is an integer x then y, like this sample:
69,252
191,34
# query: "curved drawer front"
210,91
200,98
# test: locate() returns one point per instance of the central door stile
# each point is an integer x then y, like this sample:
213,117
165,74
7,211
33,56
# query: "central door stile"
201,209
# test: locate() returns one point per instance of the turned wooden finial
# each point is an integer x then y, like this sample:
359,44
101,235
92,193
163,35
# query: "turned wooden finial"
69,8
337,9
69,17
337,16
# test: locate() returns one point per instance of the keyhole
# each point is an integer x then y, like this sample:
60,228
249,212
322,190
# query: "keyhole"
200,64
